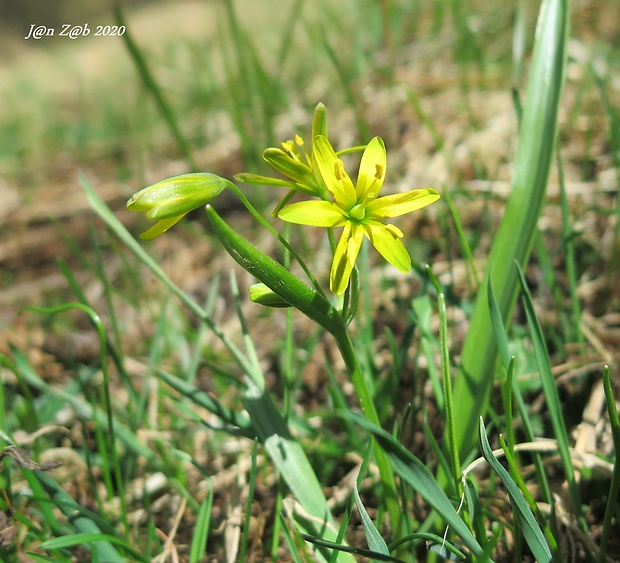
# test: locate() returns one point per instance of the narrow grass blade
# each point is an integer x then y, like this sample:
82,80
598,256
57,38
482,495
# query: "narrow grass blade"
553,400
418,476
475,511
344,550
531,531
508,361
83,408
344,520
435,541
110,435
473,279
345,75
201,530
514,238
568,234
515,474
227,415
44,558
153,88
422,310
614,132
248,506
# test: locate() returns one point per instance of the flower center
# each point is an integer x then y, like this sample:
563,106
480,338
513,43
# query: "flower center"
358,211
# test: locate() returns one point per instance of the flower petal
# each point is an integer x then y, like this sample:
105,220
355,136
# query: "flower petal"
372,170
327,162
297,171
160,227
400,204
248,178
388,245
314,213
345,256
181,204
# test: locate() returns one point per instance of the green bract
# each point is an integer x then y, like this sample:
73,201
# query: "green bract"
170,200
358,209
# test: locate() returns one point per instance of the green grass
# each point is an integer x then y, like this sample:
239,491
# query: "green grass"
208,427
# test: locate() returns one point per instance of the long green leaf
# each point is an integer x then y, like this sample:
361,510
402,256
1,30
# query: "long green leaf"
514,238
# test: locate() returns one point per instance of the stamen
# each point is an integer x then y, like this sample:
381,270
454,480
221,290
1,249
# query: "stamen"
378,171
299,141
339,170
394,230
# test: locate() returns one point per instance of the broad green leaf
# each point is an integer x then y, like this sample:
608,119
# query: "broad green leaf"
514,238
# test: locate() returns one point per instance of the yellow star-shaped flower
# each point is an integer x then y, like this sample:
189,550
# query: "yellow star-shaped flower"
358,209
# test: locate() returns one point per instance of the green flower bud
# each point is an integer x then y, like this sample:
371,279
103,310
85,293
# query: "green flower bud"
170,200
261,294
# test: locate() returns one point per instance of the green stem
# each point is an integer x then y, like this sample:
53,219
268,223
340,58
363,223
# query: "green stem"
343,340
447,384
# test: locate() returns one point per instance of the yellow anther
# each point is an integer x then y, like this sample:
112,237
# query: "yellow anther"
299,141
288,146
378,171
394,230
339,171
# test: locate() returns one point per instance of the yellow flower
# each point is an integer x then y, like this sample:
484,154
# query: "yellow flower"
293,161
170,200
358,209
